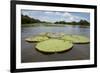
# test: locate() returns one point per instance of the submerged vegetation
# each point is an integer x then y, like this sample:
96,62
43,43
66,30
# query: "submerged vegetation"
54,42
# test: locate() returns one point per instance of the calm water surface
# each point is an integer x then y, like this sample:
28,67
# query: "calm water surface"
78,52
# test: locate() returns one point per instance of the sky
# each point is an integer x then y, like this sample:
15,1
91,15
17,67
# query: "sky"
53,16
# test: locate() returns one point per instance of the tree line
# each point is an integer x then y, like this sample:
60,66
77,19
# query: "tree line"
25,19
81,22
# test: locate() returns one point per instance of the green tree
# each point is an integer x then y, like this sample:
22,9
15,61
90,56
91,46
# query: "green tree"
60,22
84,22
26,20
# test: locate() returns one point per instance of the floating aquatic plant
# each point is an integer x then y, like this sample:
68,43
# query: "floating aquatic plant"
37,39
55,35
54,45
76,38
54,42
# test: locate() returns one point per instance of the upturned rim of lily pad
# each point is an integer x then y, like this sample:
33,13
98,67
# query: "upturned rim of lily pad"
36,38
77,39
55,35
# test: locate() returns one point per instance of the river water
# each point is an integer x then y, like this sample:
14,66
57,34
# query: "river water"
78,52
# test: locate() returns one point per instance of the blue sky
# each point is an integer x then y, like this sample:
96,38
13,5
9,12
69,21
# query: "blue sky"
53,16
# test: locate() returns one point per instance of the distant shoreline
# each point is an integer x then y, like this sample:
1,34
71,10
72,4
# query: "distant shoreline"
46,24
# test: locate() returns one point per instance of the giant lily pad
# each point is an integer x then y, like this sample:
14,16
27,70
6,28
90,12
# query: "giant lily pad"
54,45
43,34
76,38
37,39
55,35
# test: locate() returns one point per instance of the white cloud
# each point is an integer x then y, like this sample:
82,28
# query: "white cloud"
65,16
48,12
53,16
70,17
58,13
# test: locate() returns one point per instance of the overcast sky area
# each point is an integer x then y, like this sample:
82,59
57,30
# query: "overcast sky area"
53,16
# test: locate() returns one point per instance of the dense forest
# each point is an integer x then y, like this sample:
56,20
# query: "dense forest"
28,20
81,22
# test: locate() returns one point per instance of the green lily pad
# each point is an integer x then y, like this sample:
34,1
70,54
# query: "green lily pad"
54,45
43,34
37,39
55,35
76,38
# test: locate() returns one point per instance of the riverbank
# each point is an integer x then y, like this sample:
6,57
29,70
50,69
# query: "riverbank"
46,24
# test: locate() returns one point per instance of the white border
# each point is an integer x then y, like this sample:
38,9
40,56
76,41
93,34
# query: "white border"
20,65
